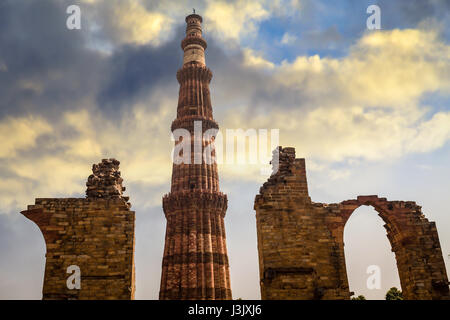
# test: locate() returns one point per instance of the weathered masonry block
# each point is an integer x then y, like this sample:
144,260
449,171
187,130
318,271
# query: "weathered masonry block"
95,233
301,243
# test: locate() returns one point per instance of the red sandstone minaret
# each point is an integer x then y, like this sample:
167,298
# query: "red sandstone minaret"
195,262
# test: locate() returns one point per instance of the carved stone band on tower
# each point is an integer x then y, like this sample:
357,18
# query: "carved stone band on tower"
195,262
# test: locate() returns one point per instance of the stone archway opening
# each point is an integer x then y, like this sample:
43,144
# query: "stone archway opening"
370,263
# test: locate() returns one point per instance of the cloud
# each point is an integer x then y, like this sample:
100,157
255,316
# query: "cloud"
47,68
112,23
364,105
3,67
135,71
288,38
431,134
153,22
62,168
235,19
61,108
136,24
329,38
21,133
252,59
391,68
413,12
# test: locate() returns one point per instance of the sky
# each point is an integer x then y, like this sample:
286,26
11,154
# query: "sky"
368,109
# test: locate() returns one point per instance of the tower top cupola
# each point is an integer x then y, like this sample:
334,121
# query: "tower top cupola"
193,44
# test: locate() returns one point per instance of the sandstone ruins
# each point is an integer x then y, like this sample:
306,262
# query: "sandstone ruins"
301,243
95,233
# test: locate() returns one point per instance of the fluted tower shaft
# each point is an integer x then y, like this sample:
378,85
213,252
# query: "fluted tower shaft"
195,263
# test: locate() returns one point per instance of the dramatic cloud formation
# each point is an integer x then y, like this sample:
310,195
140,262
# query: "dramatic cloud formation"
364,104
231,19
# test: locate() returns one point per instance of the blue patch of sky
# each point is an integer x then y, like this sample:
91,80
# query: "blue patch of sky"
438,158
308,28
440,102
346,18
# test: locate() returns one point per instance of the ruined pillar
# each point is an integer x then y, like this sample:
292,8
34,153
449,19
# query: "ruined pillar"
298,258
92,235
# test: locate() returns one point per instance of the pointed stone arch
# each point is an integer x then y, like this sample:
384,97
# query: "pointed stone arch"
414,241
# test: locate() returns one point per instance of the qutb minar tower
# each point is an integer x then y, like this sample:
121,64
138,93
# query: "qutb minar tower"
195,262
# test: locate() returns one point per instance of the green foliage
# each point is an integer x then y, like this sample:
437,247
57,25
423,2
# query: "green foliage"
394,294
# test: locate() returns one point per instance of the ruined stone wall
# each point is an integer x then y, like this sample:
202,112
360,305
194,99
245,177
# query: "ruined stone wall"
301,243
95,233
297,255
